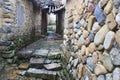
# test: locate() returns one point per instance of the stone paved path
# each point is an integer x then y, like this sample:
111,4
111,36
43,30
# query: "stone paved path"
38,61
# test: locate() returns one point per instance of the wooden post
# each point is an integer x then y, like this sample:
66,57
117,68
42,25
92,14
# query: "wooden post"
60,22
44,22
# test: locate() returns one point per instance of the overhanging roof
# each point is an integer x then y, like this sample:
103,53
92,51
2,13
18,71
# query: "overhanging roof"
45,4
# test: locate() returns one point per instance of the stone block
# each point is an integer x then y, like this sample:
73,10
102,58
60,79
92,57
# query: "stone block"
91,36
110,21
9,7
114,55
109,39
90,22
82,40
24,66
4,43
108,7
95,27
100,35
101,77
24,53
83,23
107,62
53,66
80,70
100,69
85,34
116,74
78,25
7,3
100,16
70,20
6,16
90,63
41,53
116,3
8,54
54,55
117,19
40,73
109,76
6,11
92,47
7,20
91,7
76,61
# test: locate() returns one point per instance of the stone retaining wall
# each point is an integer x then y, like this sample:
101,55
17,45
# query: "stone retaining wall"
17,26
92,37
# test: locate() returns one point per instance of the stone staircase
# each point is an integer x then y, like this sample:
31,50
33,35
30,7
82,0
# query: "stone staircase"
43,63
41,60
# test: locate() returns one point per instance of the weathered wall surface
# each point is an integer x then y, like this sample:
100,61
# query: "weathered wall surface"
37,22
92,32
17,26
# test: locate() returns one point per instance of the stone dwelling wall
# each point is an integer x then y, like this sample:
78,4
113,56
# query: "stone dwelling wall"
37,14
92,39
17,27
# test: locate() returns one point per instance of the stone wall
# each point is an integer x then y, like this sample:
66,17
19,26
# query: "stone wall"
17,26
92,39
37,15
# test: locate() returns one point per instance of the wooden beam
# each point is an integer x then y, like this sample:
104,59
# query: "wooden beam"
49,4
60,8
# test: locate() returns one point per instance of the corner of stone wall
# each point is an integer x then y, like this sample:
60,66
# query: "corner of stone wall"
92,35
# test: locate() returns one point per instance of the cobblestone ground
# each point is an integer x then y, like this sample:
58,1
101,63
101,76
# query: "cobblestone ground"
38,61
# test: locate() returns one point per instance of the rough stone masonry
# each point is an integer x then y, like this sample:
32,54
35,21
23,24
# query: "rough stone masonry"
92,39
18,21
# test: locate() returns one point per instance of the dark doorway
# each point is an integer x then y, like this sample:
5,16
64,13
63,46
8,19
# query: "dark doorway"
53,23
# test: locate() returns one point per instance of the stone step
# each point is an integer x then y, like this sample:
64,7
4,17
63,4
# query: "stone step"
24,53
54,55
39,62
42,61
41,53
53,66
24,66
43,74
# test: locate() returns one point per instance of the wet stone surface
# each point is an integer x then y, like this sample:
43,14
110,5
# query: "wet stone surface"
38,61
44,74
53,66
41,52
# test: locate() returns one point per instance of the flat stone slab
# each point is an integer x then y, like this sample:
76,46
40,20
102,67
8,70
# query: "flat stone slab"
53,66
40,73
41,52
37,61
22,73
42,61
54,55
25,53
24,66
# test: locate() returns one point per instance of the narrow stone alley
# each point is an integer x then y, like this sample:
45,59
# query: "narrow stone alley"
59,39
